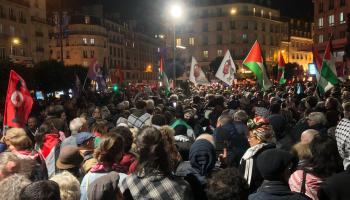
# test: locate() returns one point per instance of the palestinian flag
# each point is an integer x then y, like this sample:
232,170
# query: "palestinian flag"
163,77
281,70
255,62
328,75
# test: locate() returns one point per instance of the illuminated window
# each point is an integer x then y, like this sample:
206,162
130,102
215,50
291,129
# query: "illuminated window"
205,54
219,52
320,39
178,42
85,40
331,20
92,41
320,22
191,41
341,18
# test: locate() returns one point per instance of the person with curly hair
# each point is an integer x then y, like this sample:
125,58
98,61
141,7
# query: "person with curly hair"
153,178
108,153
168,136
11,186
69,186
261,137
227,184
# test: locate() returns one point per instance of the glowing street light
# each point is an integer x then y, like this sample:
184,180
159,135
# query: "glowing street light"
233,11
176,12
14,42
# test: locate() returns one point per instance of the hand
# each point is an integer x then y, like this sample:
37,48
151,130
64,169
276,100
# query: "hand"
223,159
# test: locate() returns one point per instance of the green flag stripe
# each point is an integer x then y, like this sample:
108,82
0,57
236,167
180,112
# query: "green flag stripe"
256,69
328,74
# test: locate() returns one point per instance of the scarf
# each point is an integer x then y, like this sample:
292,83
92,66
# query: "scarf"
249,161
103,167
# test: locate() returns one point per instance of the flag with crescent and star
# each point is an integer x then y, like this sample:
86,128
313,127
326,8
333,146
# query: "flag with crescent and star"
18,103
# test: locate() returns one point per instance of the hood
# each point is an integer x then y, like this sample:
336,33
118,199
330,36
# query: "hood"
202,156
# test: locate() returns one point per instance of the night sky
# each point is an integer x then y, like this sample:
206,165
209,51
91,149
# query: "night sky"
149,12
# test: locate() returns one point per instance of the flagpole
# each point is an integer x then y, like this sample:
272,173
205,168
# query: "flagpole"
85,81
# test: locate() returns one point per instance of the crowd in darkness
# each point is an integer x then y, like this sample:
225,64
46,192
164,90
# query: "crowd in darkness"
199,142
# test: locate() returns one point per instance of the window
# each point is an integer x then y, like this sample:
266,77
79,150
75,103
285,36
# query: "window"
320,22
85,41
87,20
320,39
58,55
342,2
219,39
92,41
191,41
12,30
92,54
341,18
320,7
85,54
219,26
219,52
270,15
245,25
205,27
178,41
205,40
331,20
262,13
205,54
1,28
254,11
232,24
244,36
67,55
331,5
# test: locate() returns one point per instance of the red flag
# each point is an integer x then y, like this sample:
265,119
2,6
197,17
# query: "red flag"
317,58
18,103
281,65
120,75
94,70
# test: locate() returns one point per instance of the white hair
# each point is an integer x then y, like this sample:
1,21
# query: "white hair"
76,124
69,186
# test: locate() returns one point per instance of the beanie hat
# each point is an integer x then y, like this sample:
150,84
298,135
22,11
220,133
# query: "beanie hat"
272,163
202,156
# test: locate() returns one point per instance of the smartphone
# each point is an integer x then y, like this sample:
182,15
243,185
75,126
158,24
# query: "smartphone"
174,104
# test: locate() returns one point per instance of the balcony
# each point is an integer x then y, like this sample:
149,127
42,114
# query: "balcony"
21,2
38,19
88,33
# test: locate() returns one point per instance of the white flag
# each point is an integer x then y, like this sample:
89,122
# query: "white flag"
197,75
227,69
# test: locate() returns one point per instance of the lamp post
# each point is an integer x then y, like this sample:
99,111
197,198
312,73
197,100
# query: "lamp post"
14,42
176,13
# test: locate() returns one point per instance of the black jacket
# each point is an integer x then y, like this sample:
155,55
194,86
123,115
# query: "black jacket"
337,187
276,190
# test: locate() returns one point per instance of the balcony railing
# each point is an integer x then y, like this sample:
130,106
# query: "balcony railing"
38,19
88,33
21,2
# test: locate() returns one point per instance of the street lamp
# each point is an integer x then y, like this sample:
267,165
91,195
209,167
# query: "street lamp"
176,13
14,42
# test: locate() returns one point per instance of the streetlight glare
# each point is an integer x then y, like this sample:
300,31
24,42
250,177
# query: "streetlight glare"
176,11
15,41
233,11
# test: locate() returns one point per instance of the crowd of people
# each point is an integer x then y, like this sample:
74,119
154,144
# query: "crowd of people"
200,142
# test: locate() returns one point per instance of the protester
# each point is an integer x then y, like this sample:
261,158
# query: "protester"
302,148
227,184
324,162
41,190
68,184
275,167
76,126
153,178
11,186
69,160
342,134
108,153
105,188
260,138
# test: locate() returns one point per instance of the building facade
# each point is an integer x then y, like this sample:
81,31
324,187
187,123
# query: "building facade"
23,31
112,43
297,48
213,29
330,17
